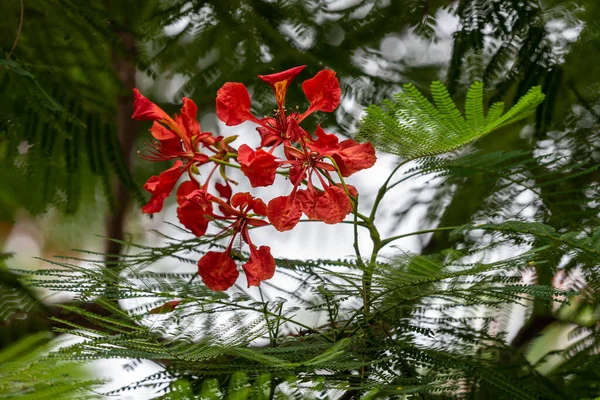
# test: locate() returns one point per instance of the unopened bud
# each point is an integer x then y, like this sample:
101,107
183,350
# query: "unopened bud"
230,139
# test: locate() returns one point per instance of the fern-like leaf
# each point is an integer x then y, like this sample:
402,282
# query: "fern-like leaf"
412,127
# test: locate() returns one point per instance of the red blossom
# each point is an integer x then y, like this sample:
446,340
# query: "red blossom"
284,212
180,139
260,266
161,186
145,110
280,81
353,157
217,270
313,158
233,104
195,209
241,212
306,157
224,190
259,166
323,92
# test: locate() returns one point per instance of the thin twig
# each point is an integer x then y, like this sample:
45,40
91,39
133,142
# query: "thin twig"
18,31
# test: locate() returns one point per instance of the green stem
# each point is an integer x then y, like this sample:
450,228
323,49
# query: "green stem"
387,241
383,190
219,161
367,278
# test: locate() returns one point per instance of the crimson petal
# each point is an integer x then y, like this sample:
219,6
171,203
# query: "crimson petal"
284,212
259,167
260,266
353,157
322,91
332,205
161,186
233,104
145,110
217,270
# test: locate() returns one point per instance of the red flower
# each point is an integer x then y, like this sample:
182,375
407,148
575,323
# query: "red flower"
161,186
322,91
260,266
353,157
218,270
331,204
195,209
284,212
242,212
179,138
259,167
349,155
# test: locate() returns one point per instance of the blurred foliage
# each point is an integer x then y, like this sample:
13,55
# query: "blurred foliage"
26,372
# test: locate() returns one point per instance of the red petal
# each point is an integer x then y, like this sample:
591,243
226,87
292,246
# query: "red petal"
287,75
294,132
233,104
284,212
268,136
280,82
353,156
161,186
260,266
333,205
144,109
308,198
325,144
297,174
259,167
218,270
168,307
254,203
224,190
322,91
188,116
185,189
191,216
240,199
161,133
195,208
259,206
245,154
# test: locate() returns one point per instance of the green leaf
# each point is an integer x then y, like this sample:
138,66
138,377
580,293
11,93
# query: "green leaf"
412,127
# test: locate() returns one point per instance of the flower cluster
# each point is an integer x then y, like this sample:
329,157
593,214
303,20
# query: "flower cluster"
315,165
